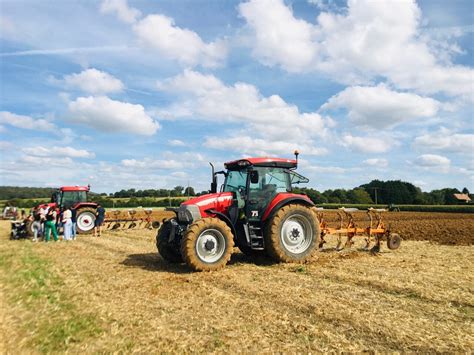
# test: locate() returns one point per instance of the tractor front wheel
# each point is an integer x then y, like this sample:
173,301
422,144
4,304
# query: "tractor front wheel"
207,244
292,234
168,251
85,220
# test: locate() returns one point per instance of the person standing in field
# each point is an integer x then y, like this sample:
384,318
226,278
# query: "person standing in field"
67,224
73,220
50,225
99,220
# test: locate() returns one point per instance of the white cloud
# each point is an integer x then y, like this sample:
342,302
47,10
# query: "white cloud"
94,81
377,162
26,122
176,143
268,124
148,163
380,107
160,32
169,160
371,39
260,147
433,161
367,144
446,141
54,151
105,114
280,38
121,9
33,162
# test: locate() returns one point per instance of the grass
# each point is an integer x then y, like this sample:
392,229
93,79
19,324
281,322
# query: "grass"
115,295
37,293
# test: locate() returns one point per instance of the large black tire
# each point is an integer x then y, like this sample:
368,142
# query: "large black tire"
85,220
168,251
292,234
207,244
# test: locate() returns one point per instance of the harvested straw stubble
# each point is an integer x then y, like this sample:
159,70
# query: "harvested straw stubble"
413,299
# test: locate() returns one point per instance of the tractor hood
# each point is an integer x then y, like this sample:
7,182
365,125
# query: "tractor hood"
219,202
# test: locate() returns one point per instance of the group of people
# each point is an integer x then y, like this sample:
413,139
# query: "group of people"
47,221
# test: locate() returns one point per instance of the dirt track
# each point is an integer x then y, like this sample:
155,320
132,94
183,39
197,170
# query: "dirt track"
413,299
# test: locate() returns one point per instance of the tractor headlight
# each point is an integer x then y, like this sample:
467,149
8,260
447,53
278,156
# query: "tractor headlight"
188,213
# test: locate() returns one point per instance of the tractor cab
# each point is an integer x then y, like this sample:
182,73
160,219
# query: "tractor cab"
68,196
255,183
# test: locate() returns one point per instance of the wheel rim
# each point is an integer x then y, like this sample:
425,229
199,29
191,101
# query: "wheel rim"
296,234
85,221
210,245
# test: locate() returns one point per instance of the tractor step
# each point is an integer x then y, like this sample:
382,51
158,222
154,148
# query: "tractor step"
256,237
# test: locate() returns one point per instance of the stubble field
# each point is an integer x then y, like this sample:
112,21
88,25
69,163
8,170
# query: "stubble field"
115,294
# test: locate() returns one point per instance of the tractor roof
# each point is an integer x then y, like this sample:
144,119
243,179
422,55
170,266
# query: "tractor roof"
74,188
266,162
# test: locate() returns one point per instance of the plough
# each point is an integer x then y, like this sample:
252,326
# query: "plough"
348,227
132,219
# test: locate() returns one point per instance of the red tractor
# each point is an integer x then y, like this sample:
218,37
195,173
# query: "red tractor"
255,210
68,197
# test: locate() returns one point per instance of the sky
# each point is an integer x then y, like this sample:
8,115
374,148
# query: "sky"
144,94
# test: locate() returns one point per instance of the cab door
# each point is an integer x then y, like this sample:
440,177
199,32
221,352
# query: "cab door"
263,185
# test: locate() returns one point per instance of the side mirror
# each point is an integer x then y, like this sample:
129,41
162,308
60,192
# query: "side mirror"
254,177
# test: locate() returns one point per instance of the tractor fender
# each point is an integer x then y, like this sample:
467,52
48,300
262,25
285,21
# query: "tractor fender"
284,199
225,218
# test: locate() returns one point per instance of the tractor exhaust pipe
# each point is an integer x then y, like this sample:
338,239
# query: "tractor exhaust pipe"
214,180
296,156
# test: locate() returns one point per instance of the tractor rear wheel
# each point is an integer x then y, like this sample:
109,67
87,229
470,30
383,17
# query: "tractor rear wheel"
207,244
168,251
85,220
292,234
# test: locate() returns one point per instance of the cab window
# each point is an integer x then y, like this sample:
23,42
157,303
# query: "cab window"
71,197
235,180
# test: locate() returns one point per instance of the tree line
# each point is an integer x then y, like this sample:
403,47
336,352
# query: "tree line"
377,191
385,193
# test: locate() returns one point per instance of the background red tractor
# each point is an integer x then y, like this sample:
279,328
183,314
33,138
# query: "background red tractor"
68,197
255,210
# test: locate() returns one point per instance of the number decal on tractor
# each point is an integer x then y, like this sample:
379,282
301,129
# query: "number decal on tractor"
254,213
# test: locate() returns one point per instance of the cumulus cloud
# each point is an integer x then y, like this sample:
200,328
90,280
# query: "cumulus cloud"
55,151
260,147
280,38
94,81
371,39
170,161
176,143
26,122
380,107
270,121
121,9
446,141
376,162
176,43
366,144
433,161
105,114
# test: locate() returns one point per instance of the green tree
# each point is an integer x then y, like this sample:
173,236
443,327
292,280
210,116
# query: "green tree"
359,195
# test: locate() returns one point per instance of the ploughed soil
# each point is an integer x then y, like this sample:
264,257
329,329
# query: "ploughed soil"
442,228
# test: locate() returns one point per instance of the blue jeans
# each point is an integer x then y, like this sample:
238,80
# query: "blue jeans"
73,230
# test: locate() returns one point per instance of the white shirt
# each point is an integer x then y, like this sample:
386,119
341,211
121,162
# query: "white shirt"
67,215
